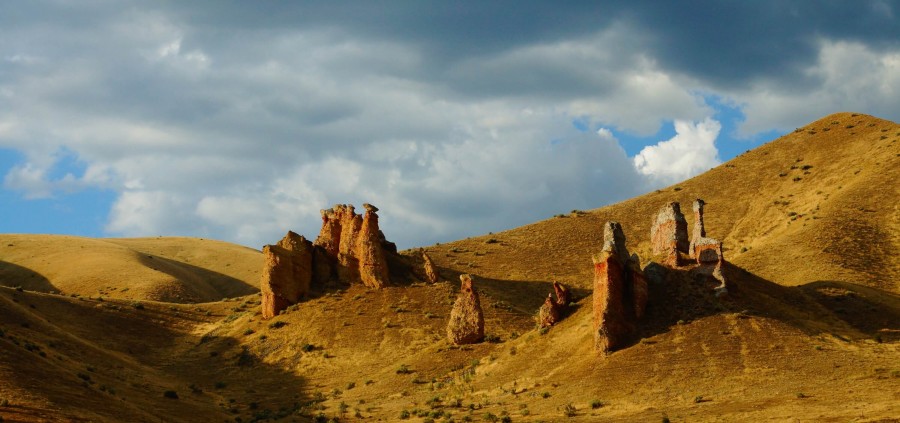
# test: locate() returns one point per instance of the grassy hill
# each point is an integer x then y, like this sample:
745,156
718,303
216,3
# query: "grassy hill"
810,330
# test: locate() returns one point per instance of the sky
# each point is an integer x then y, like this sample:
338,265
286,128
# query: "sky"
241,120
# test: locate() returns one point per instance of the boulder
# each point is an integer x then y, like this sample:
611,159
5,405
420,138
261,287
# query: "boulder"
287,273
668,234
466,325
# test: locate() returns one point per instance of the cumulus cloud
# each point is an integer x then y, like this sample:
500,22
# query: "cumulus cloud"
849,76
240,122
691,151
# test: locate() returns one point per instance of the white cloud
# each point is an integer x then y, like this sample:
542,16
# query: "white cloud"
691,151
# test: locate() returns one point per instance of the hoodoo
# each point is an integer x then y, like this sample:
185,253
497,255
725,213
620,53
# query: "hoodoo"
466,325
349,249
668,235
620,291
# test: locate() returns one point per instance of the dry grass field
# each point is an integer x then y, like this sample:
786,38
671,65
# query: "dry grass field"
168,329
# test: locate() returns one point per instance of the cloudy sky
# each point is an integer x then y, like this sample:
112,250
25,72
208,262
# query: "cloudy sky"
241,120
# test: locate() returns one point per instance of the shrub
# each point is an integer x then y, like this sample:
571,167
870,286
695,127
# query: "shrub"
4,402
545,395
595,404
277,325
569,410
137,305
307,347
170,394
249,332
404,414
403,370
493,339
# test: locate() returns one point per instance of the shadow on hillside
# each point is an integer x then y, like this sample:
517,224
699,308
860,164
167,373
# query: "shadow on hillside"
13,275
524,296
134,355
203,285
852,311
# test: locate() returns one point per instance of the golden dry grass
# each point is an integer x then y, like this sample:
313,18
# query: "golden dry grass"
810,331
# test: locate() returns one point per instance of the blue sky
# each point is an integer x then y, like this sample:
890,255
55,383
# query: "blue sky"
239,121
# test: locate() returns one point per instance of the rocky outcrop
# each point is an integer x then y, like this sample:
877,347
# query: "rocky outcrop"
287,274
466,325
620,292
354,246
431,274
350,248
668,234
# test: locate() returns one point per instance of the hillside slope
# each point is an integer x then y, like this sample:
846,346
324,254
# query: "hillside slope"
819,204
161,269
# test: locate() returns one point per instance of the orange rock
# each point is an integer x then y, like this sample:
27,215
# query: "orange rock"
611,323
373,269
668,234
466,325
549,313
431,273
287,274
562,294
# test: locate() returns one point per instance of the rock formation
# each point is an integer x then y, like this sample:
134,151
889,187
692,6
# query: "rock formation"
704,250
562,294
699,231
620,292
466,325
287,274
350,248
549,313
552,311
668,234
431,274
354,245
373,270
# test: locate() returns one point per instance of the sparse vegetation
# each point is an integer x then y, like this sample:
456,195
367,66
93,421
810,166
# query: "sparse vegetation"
170,394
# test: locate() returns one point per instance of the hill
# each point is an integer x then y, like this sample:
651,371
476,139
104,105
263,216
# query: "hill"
810,330
178,270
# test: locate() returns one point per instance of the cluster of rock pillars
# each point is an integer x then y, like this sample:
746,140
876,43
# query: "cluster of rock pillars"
351,248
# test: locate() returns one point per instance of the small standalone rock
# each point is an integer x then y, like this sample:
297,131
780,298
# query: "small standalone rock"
549,313
431,273
466,325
